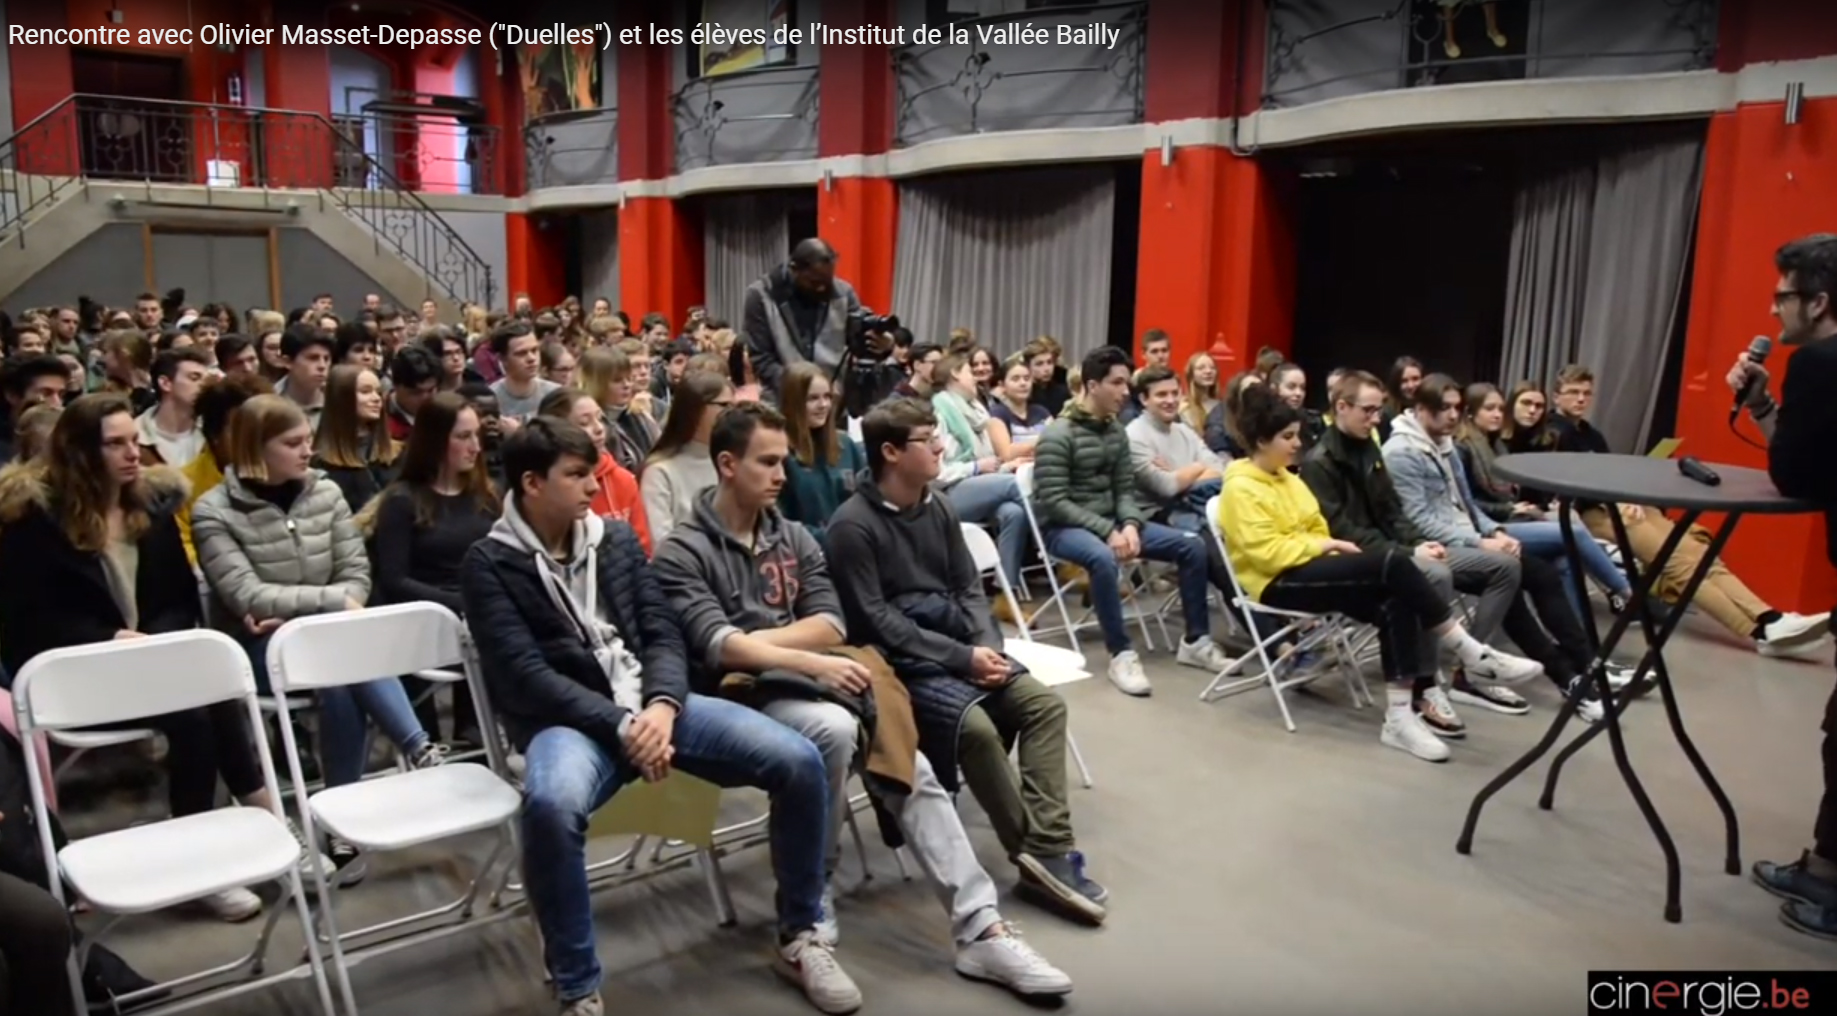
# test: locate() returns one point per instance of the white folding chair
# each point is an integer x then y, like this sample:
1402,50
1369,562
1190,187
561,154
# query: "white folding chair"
1312,632
1024,477
162,864
1049,665
395,811
82,742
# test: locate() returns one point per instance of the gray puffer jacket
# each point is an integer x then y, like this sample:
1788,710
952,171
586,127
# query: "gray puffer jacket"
262,563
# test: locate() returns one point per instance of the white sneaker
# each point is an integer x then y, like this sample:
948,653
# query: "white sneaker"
1438,715
1406,731
1006,960
232,905
1203,654
1494,665
1619,676
827,929
589,1005
1817,651
1126,673
811,965
1797,630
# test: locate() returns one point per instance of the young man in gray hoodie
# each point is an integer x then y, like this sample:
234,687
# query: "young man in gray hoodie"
763,624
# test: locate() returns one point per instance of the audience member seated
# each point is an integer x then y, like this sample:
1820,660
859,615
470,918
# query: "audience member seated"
1015,417
352,446
1084,492
618,497
490,429
1201,394
1346,473
1049,387
910,588
1479,442
35,941
1432,488
96,535
521,390
127,363
981,487
308,354
414,376
921,368
237,357
1221,422
825,462
1405,374
216,405
276,541
765,625
1285,556
1175,471
606,375
1722,596
355,344
1291,383
27,381
679,469
559,364
586,667
423,524
169,433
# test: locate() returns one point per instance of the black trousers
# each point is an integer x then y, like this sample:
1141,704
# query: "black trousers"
1384,589
201,745
1544,625
34,948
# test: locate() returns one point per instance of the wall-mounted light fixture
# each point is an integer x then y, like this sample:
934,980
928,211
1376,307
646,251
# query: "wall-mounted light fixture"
829,179
1795,101
1167,149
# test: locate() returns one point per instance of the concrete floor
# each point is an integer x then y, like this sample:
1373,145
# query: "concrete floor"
1251,871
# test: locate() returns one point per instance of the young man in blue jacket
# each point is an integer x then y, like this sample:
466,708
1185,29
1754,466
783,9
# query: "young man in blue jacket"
586,665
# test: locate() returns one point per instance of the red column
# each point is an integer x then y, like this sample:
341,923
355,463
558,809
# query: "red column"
858,215
1216,268
41,79
536,259
299,146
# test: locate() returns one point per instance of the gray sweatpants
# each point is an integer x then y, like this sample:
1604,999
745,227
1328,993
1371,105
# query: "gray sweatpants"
1491,575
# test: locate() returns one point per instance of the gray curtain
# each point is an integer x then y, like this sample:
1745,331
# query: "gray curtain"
743,237
1598,259
1009,255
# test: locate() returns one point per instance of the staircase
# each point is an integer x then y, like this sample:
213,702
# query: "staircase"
93,159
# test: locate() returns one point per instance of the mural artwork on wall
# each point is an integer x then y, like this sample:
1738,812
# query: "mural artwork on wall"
1467,40
717,57
559,79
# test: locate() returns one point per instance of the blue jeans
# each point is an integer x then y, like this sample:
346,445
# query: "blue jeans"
1545,540
995,497
1185,550
569,775
342,723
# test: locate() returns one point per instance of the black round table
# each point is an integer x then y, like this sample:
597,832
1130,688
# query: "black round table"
1581,478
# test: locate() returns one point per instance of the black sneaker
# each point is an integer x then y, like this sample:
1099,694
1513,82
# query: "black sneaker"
1795,882
348,861
1494,697
1053,883
1583,693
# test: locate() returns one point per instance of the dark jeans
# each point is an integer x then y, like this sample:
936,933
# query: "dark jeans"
1186,551
34,948
1824,835
1543,623
1385,589
202,744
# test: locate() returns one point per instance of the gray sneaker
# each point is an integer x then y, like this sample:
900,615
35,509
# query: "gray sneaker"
587,1005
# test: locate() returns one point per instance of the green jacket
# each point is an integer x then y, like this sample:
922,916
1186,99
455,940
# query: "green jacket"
1083,475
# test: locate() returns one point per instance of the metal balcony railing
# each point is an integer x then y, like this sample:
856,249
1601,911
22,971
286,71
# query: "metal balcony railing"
986,84
766,114
1324,49
572,148
95,137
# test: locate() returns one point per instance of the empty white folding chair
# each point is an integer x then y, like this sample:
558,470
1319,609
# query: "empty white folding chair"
1049,665
162,864
1311,633
395,811
1024,477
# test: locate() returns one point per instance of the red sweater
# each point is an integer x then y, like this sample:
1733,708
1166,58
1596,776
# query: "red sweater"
619,499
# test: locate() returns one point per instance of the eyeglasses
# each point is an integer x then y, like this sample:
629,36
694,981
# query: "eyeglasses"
931,441
721,403
1372,410
1781,296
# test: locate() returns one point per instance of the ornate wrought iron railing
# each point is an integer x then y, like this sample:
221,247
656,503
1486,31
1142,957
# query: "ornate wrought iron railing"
93,137
1320,50
432,155
572,148
767,114
988,84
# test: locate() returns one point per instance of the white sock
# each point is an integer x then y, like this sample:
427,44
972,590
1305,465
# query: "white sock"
1399,701
1465,647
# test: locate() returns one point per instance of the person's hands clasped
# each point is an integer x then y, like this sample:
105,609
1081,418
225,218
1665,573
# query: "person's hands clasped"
647,741
254,627
1332,546
1121,545
988,668
1429,550
1632,513
988,464
837,672
1501,543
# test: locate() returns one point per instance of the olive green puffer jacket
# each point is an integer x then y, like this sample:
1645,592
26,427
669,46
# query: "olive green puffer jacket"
1083,475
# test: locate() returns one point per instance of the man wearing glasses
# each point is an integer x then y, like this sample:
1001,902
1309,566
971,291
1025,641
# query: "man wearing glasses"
1801,429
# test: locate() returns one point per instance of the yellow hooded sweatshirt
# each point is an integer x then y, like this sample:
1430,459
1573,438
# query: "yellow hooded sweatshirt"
1271,524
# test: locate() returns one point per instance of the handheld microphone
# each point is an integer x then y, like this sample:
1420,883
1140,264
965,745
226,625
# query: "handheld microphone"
1757,354
1696,470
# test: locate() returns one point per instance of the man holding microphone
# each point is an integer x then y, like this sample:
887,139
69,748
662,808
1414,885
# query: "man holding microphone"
1801,431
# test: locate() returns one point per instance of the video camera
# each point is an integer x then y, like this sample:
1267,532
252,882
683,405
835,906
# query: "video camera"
861,327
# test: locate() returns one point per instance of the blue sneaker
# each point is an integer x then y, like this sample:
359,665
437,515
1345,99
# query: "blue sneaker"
1810,918
1795,883
1055,884
1090,889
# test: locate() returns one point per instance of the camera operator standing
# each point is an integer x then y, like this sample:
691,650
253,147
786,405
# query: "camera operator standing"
800,311
1801,430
